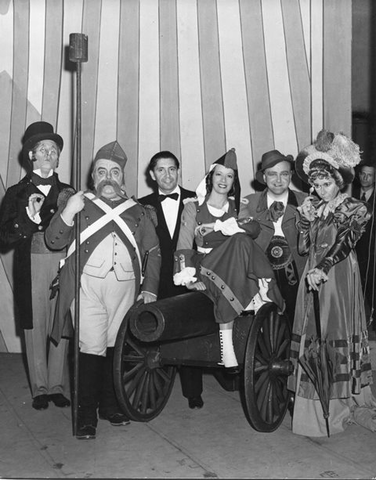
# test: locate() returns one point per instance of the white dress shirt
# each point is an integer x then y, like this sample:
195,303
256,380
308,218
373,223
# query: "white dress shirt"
170,209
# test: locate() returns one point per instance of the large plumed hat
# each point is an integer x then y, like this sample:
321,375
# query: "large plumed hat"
37,132
228,160
111,151
336,149
269,160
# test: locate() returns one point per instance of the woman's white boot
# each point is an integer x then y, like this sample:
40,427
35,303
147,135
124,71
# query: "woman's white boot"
228,357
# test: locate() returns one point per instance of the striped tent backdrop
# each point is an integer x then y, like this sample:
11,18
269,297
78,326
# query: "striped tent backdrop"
196,77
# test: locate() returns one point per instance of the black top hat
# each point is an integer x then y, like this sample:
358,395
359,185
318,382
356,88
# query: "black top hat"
269,159
37,132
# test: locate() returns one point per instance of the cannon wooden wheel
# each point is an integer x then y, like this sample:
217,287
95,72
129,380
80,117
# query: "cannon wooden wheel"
142,384
266,368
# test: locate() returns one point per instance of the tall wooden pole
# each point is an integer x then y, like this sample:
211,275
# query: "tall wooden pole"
78,53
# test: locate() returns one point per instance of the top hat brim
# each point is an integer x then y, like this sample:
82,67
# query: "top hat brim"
32,141
347,173
260,173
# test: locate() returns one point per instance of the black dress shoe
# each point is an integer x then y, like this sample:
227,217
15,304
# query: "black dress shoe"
40,402
86,432
195,402
59,400
116,419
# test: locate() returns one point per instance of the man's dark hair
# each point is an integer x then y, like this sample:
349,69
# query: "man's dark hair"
163,154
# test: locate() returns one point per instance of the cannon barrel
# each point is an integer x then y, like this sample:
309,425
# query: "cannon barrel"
176,318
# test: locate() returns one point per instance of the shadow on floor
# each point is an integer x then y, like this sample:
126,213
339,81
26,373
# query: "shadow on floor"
214,442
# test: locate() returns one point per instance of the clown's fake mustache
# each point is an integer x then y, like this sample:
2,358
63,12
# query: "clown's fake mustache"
115,186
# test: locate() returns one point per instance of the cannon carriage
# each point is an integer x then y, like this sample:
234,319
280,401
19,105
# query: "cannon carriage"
155,338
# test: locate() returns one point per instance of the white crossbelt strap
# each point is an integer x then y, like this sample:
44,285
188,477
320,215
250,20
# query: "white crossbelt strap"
111,214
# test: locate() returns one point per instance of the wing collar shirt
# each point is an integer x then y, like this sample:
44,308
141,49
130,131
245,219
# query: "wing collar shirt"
45,189
170,209
272,198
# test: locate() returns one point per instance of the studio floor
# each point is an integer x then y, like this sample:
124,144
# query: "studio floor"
214,442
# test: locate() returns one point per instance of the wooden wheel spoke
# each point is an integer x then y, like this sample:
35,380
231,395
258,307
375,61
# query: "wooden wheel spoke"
260,358
132,358
276,401
273,332
266,332
263,347
138,392
284,348
278,331
260,367
281,334
133,384
145,394
153,390
260,389
265,404
164,374
136,347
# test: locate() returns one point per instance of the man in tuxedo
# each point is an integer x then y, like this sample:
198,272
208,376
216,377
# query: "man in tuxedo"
365,246
167,200
275,208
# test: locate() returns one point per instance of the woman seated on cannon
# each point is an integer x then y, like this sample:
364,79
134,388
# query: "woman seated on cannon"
228,266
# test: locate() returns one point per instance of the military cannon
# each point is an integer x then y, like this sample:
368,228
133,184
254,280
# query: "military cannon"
155,338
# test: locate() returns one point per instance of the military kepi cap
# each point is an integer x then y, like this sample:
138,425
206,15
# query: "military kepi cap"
112,151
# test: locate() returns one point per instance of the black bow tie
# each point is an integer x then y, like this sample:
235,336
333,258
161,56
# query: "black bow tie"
276,210
37,180
174,196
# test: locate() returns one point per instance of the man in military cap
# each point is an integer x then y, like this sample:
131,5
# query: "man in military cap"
117,235
275,208
26,211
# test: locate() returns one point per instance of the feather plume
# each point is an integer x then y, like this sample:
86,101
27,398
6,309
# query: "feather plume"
324,140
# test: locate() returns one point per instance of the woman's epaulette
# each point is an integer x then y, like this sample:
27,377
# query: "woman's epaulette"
190,199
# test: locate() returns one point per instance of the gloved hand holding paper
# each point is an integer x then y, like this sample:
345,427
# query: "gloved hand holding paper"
187,275
229,227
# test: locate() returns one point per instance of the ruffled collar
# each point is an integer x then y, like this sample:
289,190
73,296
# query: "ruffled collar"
324,208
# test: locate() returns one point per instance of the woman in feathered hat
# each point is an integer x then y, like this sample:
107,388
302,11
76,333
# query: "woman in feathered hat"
227,266
331,222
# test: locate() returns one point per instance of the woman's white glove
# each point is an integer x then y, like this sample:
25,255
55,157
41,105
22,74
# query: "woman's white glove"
229,227
187,275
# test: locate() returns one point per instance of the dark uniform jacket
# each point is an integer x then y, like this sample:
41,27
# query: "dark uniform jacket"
255,205
59,234
16,231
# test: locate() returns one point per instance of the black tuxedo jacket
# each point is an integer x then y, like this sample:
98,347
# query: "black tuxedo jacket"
167,244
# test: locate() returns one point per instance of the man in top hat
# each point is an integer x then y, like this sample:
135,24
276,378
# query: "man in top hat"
167,200
26,212
365,248
275,210
119,263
